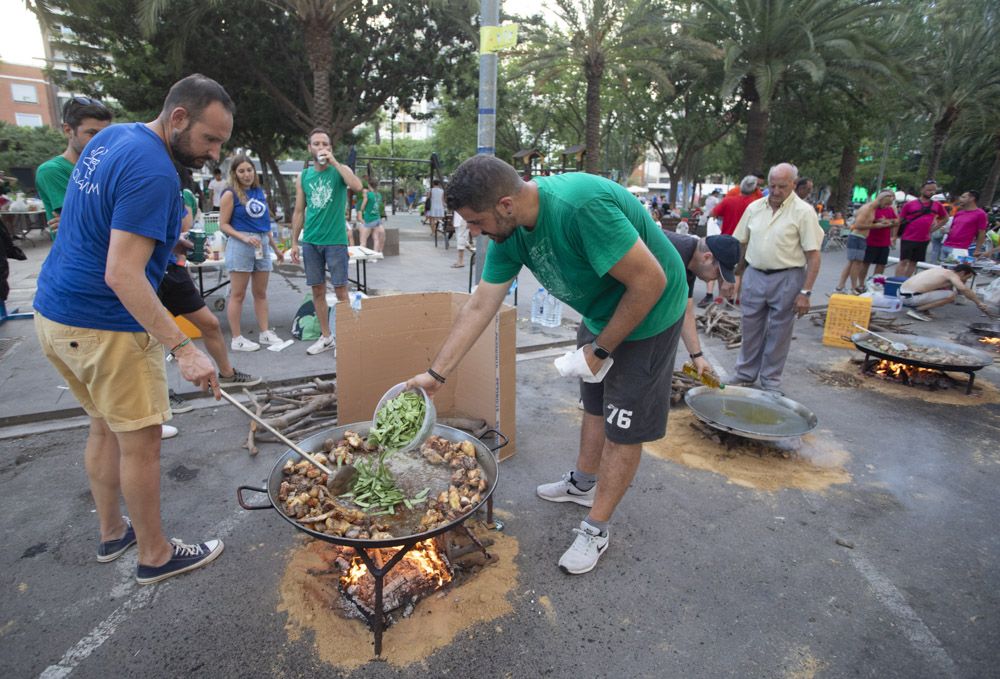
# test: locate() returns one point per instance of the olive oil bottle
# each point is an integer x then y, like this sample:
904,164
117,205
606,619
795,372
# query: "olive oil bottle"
706,378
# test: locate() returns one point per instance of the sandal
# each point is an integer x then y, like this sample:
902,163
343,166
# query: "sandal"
457,266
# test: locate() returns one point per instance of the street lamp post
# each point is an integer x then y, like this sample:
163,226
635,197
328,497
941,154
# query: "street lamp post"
392,152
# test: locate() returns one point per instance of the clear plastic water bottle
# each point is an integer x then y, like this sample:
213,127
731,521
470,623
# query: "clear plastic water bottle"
552,314
356,301
538,307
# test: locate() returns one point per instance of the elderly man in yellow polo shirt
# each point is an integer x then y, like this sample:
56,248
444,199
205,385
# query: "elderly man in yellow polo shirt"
780,240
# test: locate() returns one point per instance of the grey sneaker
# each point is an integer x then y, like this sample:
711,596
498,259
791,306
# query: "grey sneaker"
564,491
582,555
179,405
238,379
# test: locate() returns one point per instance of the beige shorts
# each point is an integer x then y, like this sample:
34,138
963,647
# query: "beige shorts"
118,377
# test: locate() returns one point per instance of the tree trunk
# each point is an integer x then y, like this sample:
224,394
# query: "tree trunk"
990,188
263,152
319,54
674,179
594,72
283,195
758,119
845,178
940,134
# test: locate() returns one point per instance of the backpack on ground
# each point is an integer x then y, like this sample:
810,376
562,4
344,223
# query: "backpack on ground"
305,325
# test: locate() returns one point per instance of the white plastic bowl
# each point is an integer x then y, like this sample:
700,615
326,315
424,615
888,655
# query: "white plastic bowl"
430,415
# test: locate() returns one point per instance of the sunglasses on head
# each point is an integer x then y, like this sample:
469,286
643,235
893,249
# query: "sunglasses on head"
85,101
930,181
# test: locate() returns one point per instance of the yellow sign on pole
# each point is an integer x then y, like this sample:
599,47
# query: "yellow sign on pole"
497,38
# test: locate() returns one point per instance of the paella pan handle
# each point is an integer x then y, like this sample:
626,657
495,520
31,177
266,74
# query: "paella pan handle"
243,503
498,436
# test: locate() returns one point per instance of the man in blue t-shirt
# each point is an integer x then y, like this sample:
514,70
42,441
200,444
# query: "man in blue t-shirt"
102,326
594,246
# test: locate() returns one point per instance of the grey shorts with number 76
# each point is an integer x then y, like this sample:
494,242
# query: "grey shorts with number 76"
634,397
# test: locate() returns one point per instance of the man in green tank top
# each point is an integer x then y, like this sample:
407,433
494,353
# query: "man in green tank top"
320,203
595,247
83,118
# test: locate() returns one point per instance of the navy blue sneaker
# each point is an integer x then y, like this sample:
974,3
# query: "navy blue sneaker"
112,549
186,558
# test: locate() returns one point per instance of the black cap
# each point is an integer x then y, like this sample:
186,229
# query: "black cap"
726,251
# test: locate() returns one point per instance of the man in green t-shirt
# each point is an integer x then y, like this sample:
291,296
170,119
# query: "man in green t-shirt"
595,247
320,203
83,118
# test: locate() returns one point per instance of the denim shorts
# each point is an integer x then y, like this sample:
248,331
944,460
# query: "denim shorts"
240,256
318,259
856,246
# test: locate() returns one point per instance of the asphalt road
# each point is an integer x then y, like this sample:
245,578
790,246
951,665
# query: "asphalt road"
703,578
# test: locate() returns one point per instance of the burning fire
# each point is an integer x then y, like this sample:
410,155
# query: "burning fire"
423,558
887,368
903,371
991,341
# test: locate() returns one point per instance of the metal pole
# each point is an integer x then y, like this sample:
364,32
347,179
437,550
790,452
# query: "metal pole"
392,152
489,13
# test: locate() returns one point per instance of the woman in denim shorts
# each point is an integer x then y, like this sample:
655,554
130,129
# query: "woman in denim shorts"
244,217
857,243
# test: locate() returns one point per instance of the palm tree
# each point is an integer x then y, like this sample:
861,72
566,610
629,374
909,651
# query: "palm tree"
977,135
956,66
598,38
318,19
767,41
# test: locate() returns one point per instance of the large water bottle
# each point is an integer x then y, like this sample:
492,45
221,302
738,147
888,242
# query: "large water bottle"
552,314
538,307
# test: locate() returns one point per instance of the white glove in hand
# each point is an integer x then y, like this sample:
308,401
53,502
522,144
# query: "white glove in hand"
574,364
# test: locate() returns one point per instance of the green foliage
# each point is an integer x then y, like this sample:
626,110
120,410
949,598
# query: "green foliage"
28,146
605,41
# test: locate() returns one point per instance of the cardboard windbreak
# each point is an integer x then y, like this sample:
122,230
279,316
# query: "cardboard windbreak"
392,338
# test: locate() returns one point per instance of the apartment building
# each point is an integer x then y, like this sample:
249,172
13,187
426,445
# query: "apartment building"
26,97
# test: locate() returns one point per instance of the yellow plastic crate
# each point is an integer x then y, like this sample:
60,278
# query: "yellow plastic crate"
187,327
841,315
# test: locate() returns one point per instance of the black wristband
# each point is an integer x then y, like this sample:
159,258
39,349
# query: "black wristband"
436,376
696,354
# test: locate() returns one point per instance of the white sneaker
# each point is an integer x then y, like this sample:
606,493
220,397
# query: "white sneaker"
582,555
321,345
269,337
167,432
241,343
565,491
